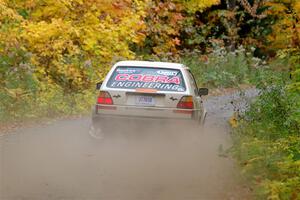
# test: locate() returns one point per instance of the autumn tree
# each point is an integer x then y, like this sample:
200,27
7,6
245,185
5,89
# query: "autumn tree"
164,22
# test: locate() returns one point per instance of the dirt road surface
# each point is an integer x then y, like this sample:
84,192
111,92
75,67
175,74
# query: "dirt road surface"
148,162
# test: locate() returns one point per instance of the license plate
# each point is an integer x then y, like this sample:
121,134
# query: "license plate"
145,101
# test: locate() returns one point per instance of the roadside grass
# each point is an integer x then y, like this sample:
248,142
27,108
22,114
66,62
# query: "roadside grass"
267,140
49,101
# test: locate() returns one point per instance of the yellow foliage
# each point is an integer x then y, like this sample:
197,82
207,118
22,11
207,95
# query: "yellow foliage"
195,5
233,121
7,13
49,39
61,36
61,32
9,30
286,31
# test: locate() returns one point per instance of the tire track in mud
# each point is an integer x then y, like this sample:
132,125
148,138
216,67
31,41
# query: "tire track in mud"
146,162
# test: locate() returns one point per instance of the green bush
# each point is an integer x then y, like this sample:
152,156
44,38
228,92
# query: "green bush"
221,68
49,101
24,96
267,140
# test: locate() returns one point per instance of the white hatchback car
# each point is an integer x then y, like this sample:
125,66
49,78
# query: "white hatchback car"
145,90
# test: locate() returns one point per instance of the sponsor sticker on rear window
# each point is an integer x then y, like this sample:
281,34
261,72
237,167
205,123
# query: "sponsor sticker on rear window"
147,78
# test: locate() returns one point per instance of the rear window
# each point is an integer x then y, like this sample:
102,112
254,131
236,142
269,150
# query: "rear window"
147,78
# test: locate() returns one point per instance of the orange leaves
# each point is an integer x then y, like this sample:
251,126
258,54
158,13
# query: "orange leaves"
164,22
175,18
176,41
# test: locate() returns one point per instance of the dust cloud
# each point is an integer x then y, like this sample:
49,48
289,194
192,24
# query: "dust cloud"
141,161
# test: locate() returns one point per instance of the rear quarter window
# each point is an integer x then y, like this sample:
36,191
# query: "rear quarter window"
160,79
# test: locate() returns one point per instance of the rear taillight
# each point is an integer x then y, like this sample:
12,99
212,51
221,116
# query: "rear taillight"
104,98
186,102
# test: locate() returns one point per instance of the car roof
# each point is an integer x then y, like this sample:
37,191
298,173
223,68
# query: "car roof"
167,65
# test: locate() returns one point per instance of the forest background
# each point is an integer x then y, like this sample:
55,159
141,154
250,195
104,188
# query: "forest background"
53,52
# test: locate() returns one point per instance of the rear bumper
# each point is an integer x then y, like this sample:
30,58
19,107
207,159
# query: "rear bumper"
108,117
117,122
140,116
146,112
127,116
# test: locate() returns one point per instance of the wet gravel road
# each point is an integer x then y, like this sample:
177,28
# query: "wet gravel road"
147,162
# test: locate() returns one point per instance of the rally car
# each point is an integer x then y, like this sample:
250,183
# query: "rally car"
145,90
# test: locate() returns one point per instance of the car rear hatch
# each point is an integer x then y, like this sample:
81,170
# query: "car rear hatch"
146,92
